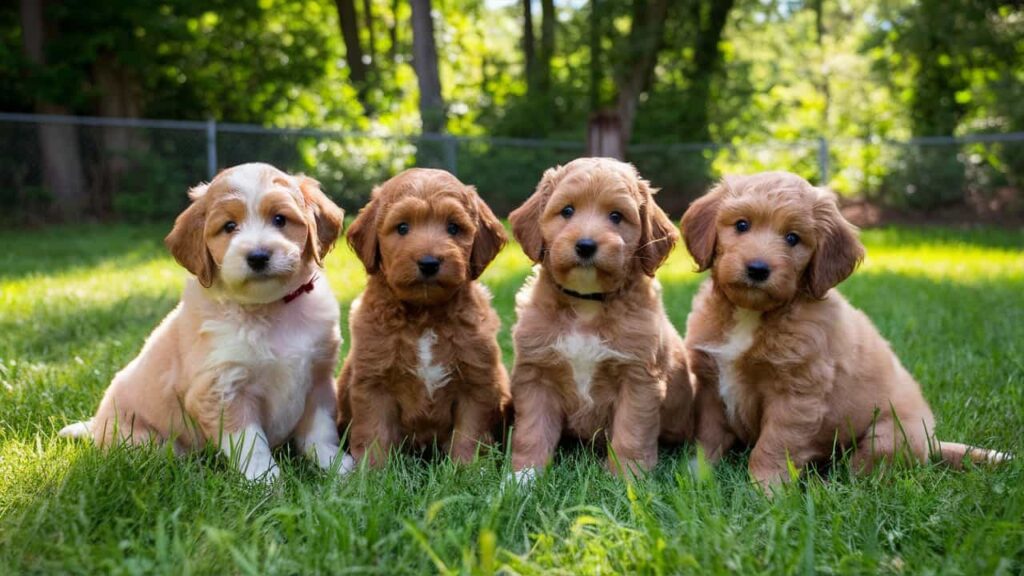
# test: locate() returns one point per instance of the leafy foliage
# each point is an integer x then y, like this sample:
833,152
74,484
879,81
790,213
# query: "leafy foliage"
860,73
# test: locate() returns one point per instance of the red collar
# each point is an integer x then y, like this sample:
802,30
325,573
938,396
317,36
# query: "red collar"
307,287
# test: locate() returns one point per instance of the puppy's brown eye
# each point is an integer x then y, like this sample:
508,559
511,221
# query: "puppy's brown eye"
615,217
792,239
280,221
402,229
742,226
230,226
568,211
453,228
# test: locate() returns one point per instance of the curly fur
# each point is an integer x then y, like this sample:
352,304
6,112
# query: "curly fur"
596,368
425,366
786,364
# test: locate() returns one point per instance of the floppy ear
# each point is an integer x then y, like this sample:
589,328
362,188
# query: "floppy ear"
525,220
699,230
187,240
327,222
839,250
489,240
657,234
362,235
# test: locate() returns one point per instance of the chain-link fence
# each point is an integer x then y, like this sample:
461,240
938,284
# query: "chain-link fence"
135,168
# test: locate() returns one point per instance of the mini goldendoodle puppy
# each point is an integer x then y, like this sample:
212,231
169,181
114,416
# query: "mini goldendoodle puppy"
779,359
246,359
596,356
425,366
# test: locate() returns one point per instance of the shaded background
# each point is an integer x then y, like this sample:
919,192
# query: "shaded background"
908,109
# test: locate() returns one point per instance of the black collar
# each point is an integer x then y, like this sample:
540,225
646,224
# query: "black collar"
595,296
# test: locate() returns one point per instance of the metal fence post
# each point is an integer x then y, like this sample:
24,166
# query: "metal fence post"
451,153
823,161
211,148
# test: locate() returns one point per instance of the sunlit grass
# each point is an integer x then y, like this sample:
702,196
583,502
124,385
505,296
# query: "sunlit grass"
77,303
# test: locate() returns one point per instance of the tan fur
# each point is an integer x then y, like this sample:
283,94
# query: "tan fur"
232,357
789,366
425,365
613,368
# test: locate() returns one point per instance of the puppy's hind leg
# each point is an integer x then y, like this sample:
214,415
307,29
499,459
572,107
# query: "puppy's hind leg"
112,425
892,438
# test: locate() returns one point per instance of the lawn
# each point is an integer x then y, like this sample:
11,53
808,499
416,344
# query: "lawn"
76,304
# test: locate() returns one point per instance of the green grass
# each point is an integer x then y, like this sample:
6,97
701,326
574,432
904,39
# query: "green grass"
76,304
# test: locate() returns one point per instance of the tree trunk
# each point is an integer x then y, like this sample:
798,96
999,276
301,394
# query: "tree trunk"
58,143
393,32
120,97
645,41
529,60
349,23
424,61
711,18
547,45
368,20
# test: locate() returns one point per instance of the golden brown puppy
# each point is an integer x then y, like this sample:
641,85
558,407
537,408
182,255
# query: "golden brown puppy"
246,359
780,360
595,352
425,365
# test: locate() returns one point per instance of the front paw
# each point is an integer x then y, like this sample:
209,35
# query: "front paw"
464,452
326,454
262,474
769,480
347,464
522,478
631,466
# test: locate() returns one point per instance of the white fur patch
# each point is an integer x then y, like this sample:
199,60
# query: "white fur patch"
434,376
247,180
525,477
248,450
584,352
268,355
738,340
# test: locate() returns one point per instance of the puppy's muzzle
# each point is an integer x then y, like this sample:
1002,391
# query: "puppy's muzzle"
758,270
429,266
586,248
258,259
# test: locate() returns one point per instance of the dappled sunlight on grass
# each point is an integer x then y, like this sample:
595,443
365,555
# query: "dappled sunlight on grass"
958,263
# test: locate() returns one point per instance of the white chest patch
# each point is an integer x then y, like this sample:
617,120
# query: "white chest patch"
434,376
266,358
738,340
584,352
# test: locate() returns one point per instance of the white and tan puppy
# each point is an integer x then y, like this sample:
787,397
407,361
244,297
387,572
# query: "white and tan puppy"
246,359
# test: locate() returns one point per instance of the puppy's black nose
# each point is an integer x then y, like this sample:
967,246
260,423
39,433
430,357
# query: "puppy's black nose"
586,248
429,265
258,259
758,270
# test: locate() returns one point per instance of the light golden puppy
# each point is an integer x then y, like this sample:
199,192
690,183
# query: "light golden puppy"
246,359
596,355
425,366
780,360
